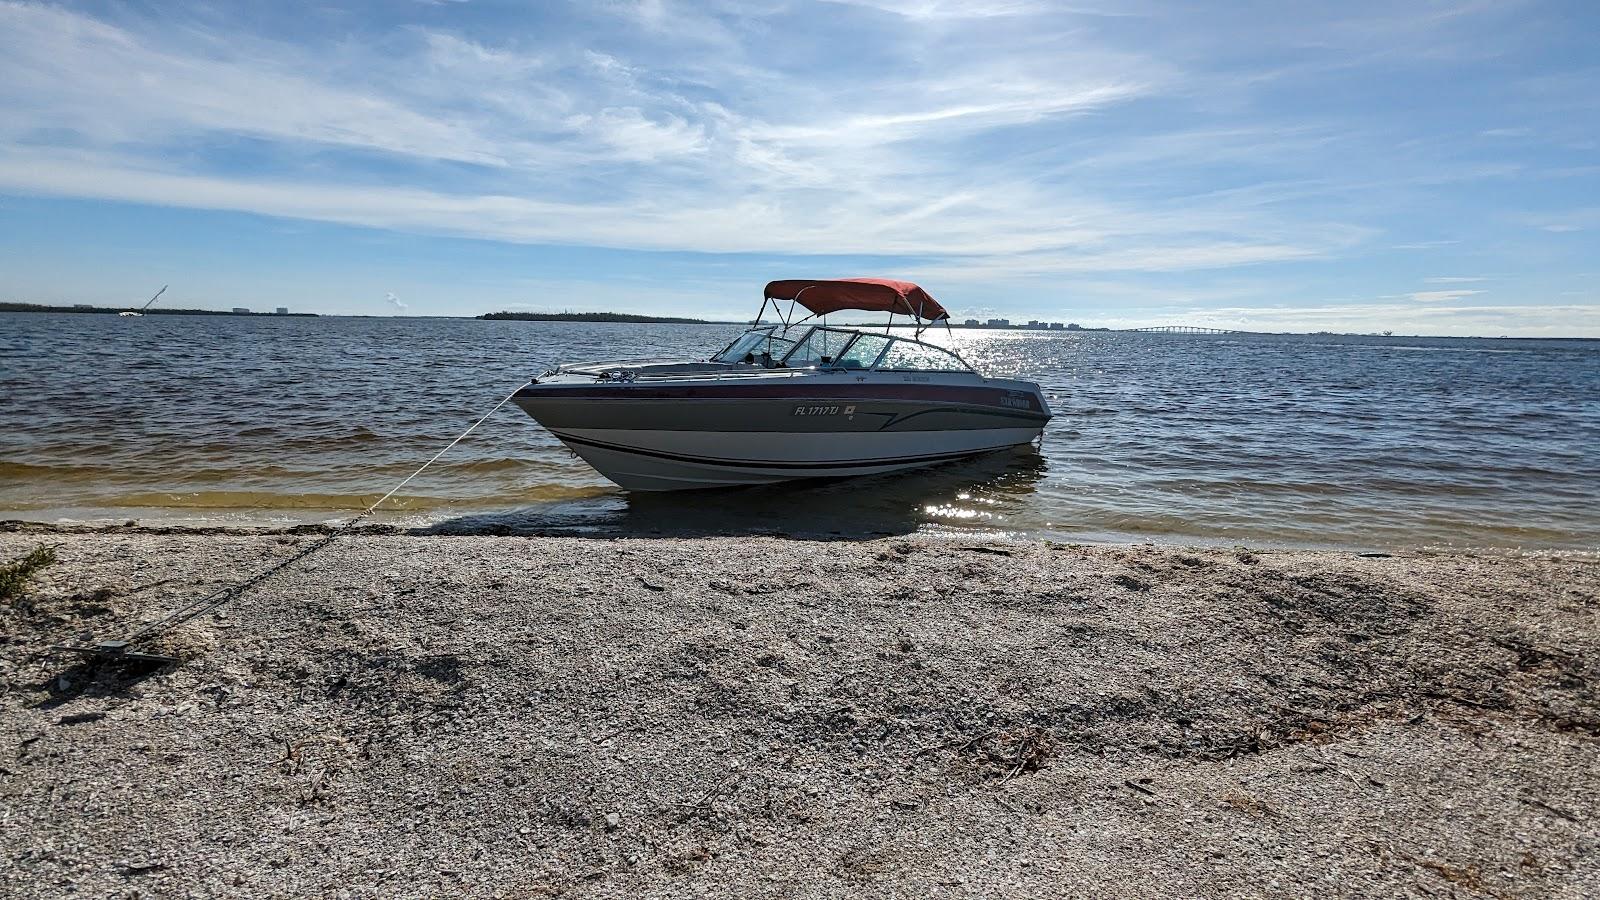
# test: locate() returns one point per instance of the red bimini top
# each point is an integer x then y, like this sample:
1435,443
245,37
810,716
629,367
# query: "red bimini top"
871,294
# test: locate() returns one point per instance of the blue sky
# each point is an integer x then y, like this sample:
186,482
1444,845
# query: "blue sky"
1423,167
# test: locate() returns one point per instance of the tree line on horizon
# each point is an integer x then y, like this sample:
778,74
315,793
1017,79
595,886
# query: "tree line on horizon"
592,317
15,306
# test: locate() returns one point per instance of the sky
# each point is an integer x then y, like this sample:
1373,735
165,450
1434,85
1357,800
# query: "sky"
1421,167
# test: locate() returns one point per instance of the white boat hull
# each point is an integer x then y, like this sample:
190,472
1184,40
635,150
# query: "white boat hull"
651,460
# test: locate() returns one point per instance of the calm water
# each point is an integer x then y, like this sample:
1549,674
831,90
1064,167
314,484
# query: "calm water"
1360,442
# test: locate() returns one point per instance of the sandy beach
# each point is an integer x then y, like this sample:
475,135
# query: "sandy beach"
521,717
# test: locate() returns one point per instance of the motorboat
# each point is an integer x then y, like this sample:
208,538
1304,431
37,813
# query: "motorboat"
790,399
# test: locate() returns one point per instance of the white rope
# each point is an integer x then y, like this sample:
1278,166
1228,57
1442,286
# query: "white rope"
471,428
218,598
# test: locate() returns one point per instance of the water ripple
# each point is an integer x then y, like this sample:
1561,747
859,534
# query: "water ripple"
1306,440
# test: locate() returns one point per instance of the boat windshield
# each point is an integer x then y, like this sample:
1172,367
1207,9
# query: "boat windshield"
819,347
913,356
826,348
752,346
863,352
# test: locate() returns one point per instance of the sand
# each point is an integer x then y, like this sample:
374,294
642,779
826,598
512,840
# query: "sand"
522,717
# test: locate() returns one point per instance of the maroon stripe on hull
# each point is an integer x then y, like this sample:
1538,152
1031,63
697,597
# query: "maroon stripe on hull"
979,396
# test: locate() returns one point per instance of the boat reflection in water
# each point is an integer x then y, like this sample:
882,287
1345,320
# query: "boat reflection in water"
981,493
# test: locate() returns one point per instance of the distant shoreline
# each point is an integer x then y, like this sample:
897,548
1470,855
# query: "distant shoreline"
632,319
153,311
628,318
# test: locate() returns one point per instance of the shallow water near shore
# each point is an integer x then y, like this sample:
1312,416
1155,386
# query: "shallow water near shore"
1303,440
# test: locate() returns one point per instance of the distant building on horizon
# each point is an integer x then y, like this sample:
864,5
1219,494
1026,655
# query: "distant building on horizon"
241,309
1074,326
1055,326
281,311
999,323
972,323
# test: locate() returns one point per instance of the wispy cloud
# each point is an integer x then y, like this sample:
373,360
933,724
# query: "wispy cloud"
1564,221
1568,223
1001,148
1426,245
935,10
1488,321
579,139
71,76
1441,296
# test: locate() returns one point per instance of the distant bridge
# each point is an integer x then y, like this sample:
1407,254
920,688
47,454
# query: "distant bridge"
1187,329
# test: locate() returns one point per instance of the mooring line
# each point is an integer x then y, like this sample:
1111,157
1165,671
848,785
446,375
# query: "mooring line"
232,592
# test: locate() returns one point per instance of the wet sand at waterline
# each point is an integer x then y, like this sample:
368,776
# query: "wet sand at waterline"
754,717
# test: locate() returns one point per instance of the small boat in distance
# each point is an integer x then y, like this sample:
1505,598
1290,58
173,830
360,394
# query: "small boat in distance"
131,313
788,400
